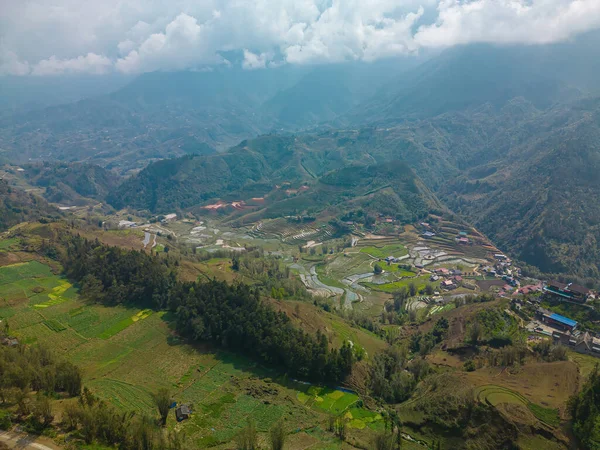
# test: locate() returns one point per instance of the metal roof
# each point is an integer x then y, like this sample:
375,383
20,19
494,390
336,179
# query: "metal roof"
562,319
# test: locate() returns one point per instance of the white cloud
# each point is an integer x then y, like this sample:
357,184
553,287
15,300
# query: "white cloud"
253,61
68,36
11,65
90,63
509,21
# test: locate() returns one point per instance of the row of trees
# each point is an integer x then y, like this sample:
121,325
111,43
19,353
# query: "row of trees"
232,316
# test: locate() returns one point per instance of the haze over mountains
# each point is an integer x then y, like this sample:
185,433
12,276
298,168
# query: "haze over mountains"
506,136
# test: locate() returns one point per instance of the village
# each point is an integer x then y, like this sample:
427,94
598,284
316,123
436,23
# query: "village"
445,261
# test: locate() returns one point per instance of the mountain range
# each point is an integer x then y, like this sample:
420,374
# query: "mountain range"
507,137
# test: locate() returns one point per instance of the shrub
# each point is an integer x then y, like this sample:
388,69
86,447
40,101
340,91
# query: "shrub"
469,365
5,420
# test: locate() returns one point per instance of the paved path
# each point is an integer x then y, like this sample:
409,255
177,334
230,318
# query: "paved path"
23,441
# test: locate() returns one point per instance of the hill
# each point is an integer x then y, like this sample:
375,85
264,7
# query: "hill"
17,206
170,114
73,183
259,168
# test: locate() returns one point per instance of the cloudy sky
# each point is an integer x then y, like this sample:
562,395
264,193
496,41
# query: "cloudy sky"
53,37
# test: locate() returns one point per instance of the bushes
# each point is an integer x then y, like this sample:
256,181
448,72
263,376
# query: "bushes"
5,420
469,365
550,352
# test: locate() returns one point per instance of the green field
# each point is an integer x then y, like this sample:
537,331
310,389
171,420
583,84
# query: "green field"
127,354
6,244
20,271
420,282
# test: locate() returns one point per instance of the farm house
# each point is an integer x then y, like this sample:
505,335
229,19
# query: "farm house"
182,413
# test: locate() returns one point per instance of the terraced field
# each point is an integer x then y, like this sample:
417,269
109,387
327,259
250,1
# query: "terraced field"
291,232
495,395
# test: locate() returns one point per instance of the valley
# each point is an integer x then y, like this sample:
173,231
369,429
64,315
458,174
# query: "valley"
397,252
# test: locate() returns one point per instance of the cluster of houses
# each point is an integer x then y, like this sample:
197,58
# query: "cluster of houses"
504,270
564,331
451,279
570,292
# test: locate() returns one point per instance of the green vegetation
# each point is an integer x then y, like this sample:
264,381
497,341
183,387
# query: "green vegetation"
230,315
584,410
123,324
325,279
420,283
71,183
18,206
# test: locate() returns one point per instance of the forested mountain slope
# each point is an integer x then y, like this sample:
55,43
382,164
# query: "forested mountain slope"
258,167
538,193
169,114
17,206
71,182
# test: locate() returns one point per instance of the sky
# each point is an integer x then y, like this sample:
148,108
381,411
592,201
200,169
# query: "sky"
57,37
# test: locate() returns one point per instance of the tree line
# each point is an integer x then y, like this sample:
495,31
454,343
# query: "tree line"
229,315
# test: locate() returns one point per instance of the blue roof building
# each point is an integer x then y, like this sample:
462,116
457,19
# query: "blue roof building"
562,321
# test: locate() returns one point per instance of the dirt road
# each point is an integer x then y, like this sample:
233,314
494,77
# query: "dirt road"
23,441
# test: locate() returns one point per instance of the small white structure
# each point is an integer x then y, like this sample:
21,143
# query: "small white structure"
126,224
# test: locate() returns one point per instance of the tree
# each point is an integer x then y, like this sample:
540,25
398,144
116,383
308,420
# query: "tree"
68,378
412,289
400,297
383,441
340,428
277,436
162,400
429,289
247,438
469,365
91,288
475,332
377,269
42,410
